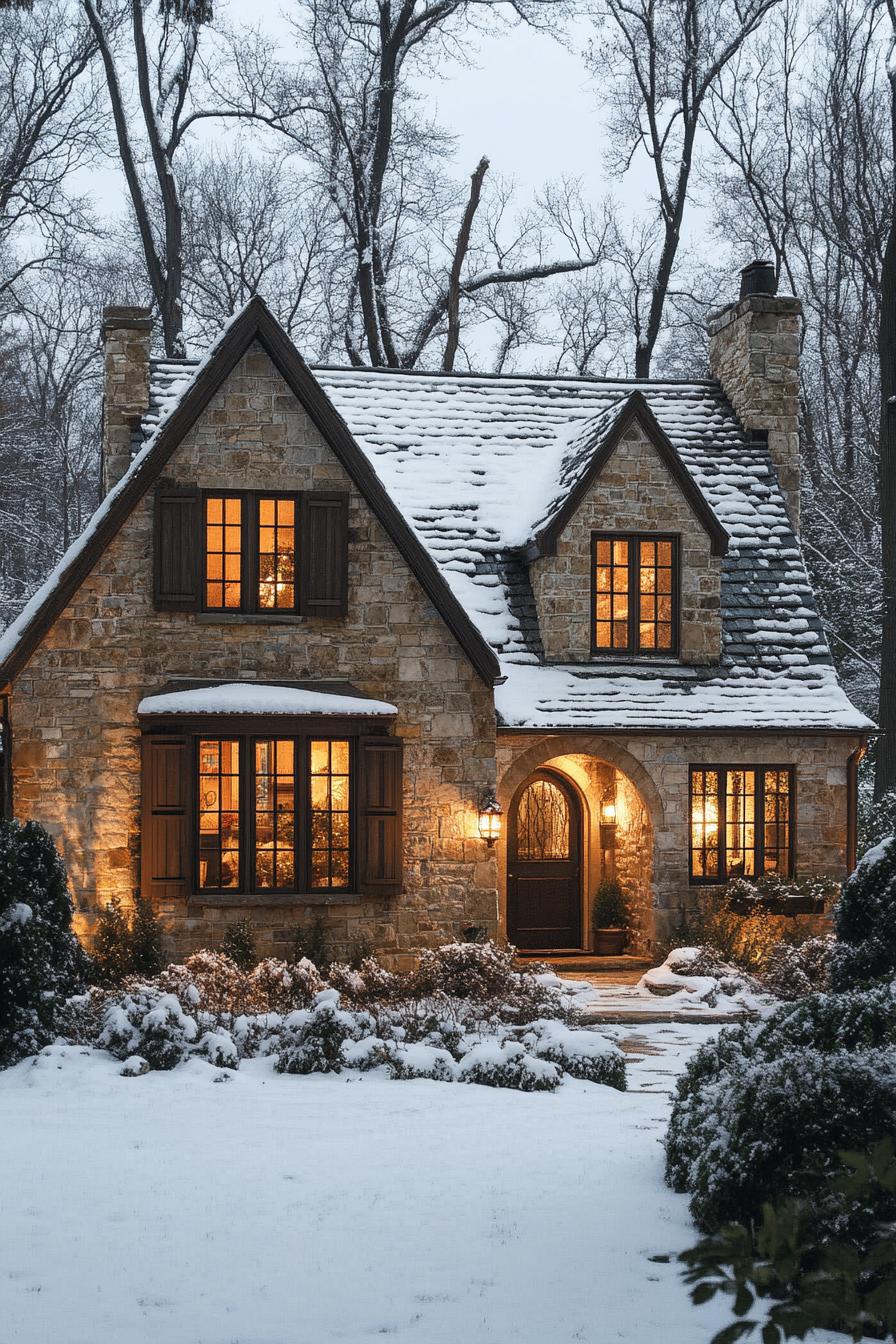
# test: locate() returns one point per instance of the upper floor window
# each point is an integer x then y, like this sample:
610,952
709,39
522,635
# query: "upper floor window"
251,545
251,552
635,594
741,822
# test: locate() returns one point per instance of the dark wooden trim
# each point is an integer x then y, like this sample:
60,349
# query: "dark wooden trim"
249,558
852,806
760,770
635,411
189,535
256,322
266,725
6,774
632,649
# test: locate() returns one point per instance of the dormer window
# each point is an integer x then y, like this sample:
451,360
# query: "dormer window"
635,588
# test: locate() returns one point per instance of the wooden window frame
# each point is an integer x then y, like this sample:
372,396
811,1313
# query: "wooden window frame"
249,552
760,771
632,648
301,738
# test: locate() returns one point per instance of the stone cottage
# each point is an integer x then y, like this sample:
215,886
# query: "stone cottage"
425,653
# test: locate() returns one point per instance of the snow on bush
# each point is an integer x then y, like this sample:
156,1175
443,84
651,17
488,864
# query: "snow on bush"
494,1063
41,961
794,970
417,1060
312,1039
700,972
581,1054
148,1023
763,1110
865,921
219,1049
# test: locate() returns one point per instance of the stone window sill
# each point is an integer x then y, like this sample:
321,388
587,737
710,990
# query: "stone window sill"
248,618
255,899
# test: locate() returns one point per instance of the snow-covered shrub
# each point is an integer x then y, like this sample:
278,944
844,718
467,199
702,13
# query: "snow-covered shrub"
256,1034
581,1054
279,987
763,1110
219,1049
147,1022
312,1038
794,970
211,981
483,983
865,921
702,973
41,961
416,1060
507,1064
127,943
238,944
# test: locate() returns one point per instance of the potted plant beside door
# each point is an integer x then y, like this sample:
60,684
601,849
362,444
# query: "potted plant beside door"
609,919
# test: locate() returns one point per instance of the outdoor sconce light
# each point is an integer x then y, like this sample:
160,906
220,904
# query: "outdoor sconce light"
608,819
490,820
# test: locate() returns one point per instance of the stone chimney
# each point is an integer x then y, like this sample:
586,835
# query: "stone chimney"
754,351
127,333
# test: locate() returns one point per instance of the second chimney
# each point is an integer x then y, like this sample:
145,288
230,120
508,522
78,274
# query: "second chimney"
127,333
754,351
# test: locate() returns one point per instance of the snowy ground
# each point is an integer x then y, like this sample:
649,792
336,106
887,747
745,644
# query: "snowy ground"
179,1209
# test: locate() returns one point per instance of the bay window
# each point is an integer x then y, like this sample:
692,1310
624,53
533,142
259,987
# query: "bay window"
741,822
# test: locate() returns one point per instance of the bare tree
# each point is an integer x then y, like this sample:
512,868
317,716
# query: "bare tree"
419,248
657,63
48,128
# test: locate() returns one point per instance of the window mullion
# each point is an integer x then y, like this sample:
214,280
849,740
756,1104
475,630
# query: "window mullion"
723,824
633,553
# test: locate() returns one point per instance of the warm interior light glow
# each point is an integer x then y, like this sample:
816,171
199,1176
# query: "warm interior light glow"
490,823
705,820
608,812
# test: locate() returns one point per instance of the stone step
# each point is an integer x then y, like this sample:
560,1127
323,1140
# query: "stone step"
587,964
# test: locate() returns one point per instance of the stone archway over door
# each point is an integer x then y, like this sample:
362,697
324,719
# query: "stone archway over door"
544,877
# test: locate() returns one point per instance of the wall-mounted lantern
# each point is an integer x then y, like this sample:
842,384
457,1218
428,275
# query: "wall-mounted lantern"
608,818
490,820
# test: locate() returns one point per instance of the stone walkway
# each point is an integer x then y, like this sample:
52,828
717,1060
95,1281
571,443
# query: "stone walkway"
615,997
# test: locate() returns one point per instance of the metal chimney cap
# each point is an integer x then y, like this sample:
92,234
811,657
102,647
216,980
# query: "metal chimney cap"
758,278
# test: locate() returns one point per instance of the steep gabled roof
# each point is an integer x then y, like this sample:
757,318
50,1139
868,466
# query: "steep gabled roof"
254,323
590,449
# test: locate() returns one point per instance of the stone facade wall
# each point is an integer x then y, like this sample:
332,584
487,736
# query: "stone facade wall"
754,351
657,767
77,758
127,333
634,492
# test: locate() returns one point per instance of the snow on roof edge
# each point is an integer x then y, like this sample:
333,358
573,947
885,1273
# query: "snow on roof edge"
240,697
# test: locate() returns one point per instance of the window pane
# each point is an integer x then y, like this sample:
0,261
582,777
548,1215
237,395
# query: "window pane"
219,817
776,822
276,555
655,588
542,822
611,595
705,823
330,813
740,823
223,552
275,814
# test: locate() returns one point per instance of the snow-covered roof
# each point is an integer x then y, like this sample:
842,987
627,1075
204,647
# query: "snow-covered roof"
246,697
478,464
475,465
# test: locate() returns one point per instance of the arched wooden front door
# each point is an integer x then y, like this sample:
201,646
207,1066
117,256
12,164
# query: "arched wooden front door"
544,906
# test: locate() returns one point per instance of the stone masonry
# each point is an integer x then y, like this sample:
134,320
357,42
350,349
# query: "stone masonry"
74,707
754,351
127,333
657,768
634,492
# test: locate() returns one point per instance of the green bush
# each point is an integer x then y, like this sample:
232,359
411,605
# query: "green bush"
610,908
238,944
865,921
844,1283
311,943
762,1111
126,944
41,960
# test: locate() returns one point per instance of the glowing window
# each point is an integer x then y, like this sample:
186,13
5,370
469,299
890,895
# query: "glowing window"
275,814
740,822
276,554
223,552
542,822
219,814
329,814
635,582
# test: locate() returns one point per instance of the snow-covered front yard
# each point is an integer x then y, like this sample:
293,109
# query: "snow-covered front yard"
181,1208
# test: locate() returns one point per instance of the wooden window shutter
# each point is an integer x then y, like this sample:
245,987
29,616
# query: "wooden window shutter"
323,546
177,541
165,835
380,781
